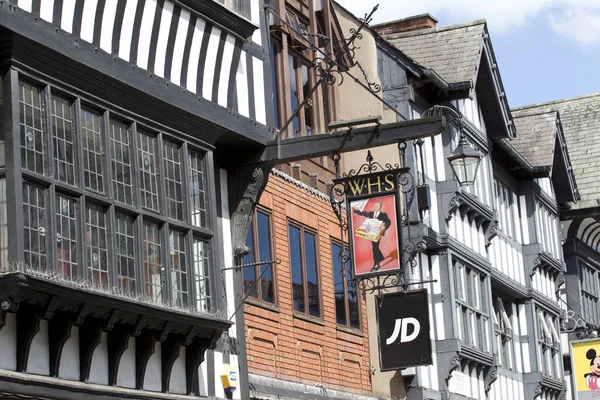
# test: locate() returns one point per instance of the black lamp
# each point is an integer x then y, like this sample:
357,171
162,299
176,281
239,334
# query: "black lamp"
464,161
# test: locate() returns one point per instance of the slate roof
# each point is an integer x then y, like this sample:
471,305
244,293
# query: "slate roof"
536,136
580,118
452,51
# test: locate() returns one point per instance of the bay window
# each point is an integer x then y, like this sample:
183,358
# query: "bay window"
549,356
106,201
503,332
472,318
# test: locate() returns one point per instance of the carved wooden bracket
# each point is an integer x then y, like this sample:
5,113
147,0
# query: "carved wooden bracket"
474,210
89,338
194,356
453,365
28,325
144,348
59,331
118,341
249,185
491,375
169,353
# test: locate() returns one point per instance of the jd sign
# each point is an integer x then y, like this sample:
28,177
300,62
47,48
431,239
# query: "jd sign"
404,330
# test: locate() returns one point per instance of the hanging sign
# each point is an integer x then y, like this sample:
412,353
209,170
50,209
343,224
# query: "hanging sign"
585,361
404,339
373,221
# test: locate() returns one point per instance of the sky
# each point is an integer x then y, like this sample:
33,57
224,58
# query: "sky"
545,49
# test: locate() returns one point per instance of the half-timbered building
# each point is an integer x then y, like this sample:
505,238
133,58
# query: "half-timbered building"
121,122
493,247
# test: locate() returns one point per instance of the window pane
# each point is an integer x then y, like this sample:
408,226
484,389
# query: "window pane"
179,284
338,285
31,107
152,262
148,171
93,170
66,237
199,199
202,275
95,244
250,272
34,215
3,225
293,94
312,278
308,113
274,82
174,190
296,265
264,251
125,254
121,162
64,147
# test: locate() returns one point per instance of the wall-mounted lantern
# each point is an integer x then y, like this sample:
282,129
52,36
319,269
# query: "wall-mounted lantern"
464,161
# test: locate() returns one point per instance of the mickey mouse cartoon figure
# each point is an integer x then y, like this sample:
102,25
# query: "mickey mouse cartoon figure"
591,378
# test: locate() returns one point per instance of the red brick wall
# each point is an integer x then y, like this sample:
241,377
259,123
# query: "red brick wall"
287,347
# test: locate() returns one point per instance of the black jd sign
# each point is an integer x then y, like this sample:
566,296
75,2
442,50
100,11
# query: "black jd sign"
404,330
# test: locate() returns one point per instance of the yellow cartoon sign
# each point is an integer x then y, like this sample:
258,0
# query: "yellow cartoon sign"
585,356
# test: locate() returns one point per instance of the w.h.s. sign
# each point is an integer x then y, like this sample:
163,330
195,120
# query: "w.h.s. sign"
404,330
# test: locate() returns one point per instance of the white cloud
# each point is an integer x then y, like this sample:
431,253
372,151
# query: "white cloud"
576,20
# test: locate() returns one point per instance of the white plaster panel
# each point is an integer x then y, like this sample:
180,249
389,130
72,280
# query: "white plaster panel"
126,376
152,380
69,360
38,362
177,382
8,343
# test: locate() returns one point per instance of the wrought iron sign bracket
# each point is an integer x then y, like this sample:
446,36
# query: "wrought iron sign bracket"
243,297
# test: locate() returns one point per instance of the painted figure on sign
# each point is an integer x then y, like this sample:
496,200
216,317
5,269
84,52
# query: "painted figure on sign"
377,228
591,378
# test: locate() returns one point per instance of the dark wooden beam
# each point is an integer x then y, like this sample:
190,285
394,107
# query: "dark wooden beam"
89,338
28,325
295,149
580,213
194,356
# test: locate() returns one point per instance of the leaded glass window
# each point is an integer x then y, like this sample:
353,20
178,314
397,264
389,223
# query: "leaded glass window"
96,246
66,236
34,213
93,168
173,186
148,170
64,140
126,275
31,108
121,162
145,234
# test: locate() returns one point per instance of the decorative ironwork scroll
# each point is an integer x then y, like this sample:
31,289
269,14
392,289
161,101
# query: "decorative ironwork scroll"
327,65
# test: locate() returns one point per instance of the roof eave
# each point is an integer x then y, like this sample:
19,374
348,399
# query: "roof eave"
497,103
563,170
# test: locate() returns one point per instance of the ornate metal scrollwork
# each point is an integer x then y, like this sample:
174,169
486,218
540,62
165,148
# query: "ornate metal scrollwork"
330,66
369,167
572,322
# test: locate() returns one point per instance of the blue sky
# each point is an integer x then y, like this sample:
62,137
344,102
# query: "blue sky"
546,49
